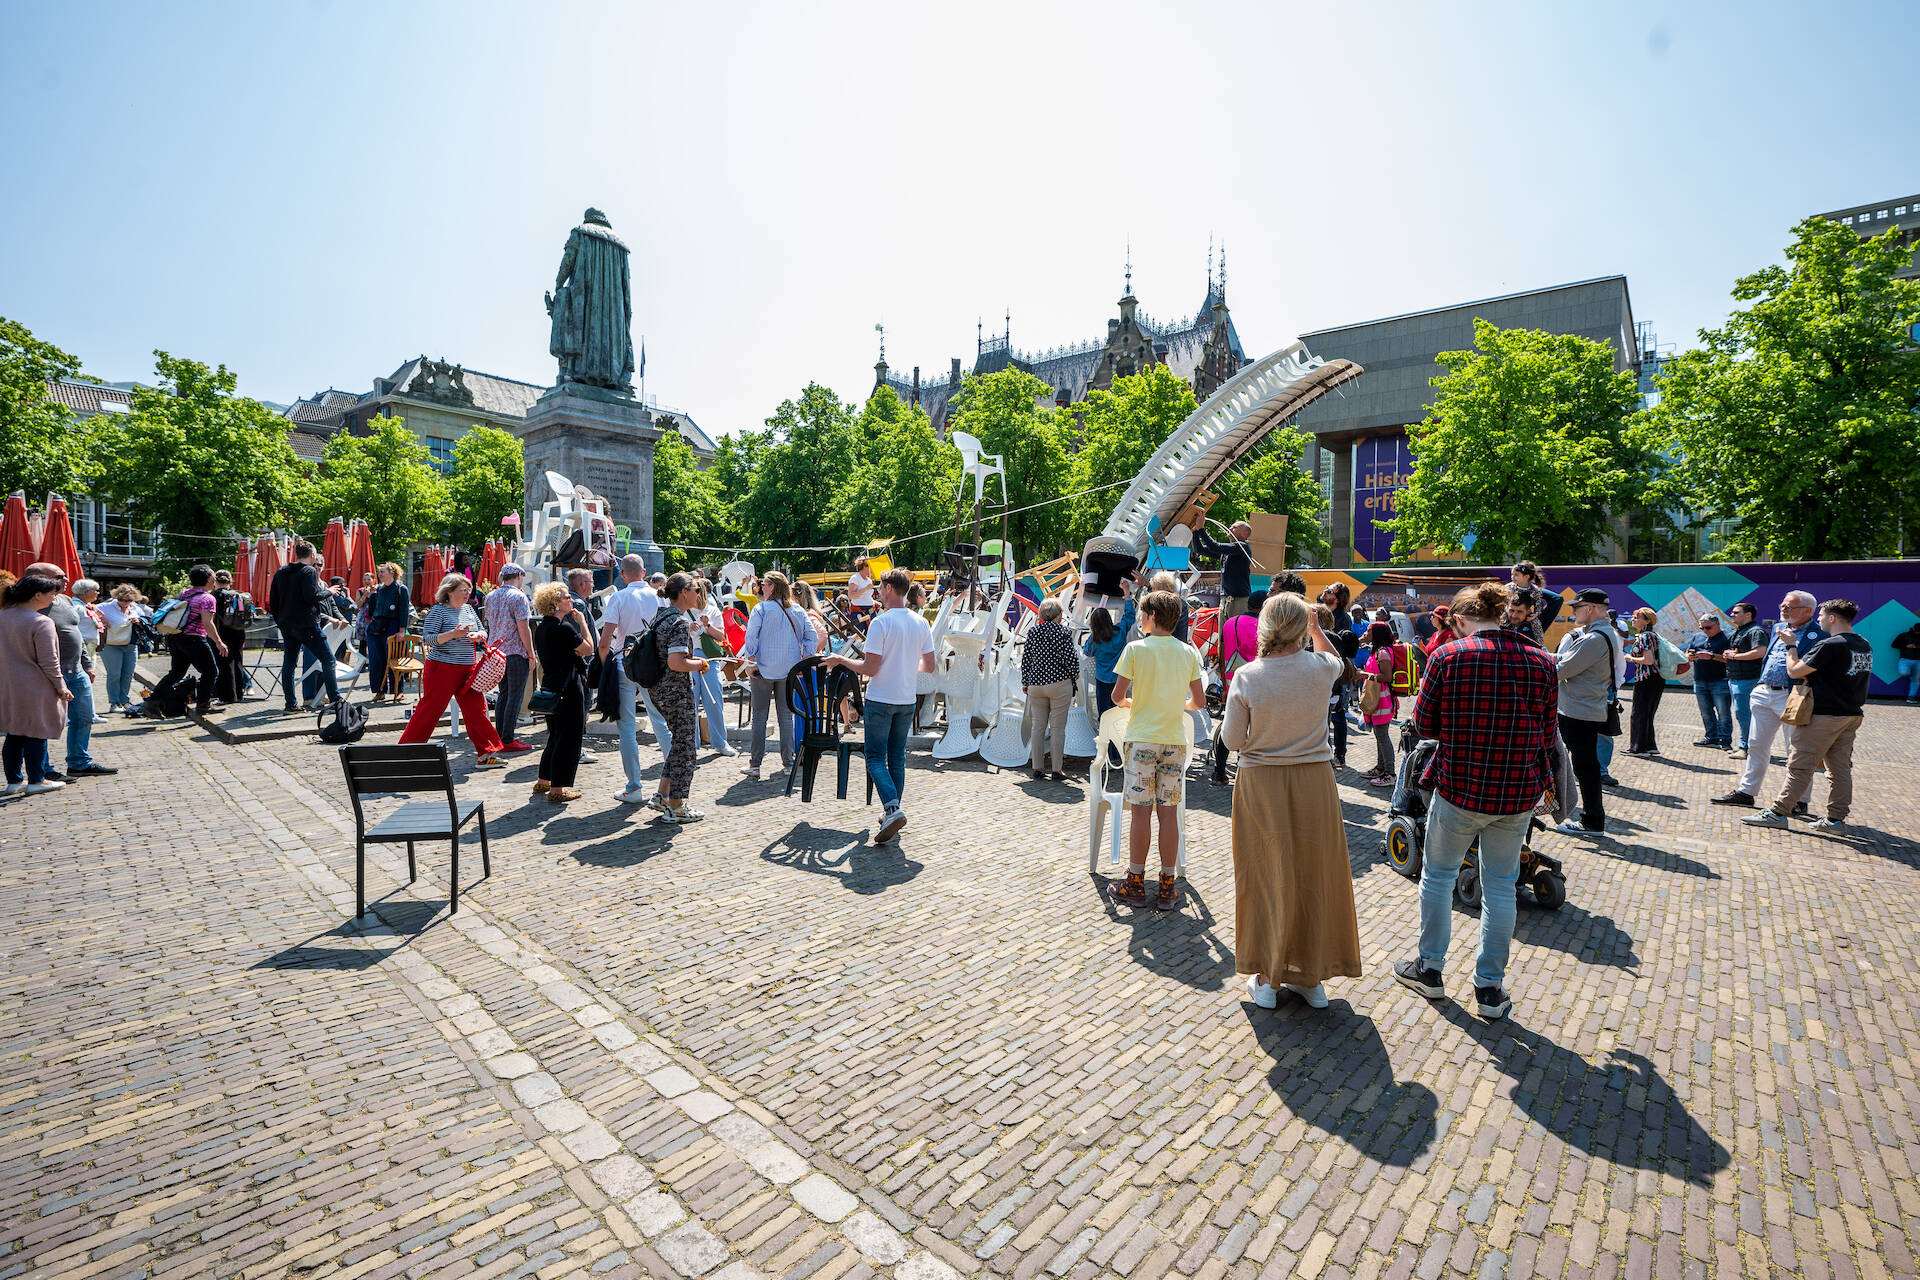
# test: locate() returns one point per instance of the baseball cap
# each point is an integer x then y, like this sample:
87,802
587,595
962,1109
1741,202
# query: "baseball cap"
510,570
1590,595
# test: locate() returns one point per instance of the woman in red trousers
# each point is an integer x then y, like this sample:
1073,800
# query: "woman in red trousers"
452,634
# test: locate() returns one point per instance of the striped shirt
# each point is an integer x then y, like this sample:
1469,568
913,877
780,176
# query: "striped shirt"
443,618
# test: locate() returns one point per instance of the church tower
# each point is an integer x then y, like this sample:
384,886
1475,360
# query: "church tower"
1217,359
1129,349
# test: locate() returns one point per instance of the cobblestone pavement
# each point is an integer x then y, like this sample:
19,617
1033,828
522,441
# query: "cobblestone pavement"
761,1046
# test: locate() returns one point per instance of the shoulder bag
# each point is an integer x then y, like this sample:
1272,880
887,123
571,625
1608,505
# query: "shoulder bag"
1799,709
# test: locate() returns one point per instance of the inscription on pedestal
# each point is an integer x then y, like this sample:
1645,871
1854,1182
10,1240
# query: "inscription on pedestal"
617,482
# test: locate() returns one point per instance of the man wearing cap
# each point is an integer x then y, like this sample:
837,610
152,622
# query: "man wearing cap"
1794,636
508,620
1586,661
1707,651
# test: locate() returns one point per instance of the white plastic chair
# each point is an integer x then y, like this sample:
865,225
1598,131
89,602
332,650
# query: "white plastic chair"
978,465
1102,803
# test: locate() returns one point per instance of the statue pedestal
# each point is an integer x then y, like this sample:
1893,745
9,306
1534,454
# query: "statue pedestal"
601,440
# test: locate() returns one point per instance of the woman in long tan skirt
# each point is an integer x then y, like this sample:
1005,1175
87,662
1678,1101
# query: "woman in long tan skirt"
1294,922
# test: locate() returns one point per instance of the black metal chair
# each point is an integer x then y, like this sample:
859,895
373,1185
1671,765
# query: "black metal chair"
404,770
814,695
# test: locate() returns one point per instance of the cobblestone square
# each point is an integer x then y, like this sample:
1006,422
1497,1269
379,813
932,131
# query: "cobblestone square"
760,1046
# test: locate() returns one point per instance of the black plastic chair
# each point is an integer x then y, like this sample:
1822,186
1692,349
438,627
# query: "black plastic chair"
814,695
403,770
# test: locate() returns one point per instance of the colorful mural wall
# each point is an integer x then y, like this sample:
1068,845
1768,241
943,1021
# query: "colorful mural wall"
1887,591
1382,465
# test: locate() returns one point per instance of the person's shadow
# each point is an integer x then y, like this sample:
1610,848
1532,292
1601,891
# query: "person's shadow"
1620,1110
1178,944
1331,1069
1580,933
842,855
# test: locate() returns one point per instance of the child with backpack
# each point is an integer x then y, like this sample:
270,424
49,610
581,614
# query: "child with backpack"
1389,677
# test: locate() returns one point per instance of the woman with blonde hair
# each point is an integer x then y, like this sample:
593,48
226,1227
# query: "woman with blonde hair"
118,650
860,590
804,597
1294,921
452,633
562,650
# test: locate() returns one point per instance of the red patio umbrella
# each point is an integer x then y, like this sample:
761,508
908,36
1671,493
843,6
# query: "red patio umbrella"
333,550
56,540
18,546
359,554
266,563
243,569
434,569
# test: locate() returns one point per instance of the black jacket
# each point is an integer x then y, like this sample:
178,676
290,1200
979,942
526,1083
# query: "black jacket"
392,608
295,595
1236,562
1908,643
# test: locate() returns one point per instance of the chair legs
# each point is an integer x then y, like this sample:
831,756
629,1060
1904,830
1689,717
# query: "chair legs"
413,873
486,859
847,751
360,876
456,875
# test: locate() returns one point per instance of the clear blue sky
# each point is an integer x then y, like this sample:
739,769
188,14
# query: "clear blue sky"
313,192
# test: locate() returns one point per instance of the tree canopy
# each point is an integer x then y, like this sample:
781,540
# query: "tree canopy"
43,446
787,501
198,462
385,478
687,508
488,482
1797,418
902,482
1524,447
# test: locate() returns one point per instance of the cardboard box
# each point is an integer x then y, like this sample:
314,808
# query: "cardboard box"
1269,543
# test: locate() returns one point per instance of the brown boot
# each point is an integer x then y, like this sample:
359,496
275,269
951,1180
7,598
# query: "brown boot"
1168,893
1133,890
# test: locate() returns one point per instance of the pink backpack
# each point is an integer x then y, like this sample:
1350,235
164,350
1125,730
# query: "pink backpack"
1239,643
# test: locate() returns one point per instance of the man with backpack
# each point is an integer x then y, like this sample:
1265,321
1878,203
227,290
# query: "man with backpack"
629,614
899,647
295,598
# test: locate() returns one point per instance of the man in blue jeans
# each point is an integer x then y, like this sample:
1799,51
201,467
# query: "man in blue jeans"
293,598
1710,691
1745,649
1491,700
899,647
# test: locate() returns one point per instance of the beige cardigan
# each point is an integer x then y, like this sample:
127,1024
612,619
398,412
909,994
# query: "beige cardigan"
1277,709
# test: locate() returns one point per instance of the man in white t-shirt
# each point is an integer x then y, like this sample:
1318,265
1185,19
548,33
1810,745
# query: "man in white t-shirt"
899,647
629,612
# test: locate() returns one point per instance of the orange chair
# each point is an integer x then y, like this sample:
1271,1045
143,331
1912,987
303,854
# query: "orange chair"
404,663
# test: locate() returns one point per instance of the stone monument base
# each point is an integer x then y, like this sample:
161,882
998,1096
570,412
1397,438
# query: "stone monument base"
600,440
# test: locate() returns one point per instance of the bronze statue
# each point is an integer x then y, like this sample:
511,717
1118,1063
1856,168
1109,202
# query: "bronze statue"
592,308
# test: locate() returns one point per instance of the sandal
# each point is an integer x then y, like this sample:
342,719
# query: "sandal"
541,787
560,795
683,816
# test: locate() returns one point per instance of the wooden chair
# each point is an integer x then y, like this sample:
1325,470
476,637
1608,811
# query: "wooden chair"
814,697
403,770
404,663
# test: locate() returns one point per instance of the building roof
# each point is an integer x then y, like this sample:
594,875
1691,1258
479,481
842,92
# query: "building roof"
507,397
89,398
307,445
1477,302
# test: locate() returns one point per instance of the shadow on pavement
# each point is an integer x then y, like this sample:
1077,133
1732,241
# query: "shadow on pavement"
1576,931
407,917
1659,859
844,855
1332,1070
1178,944
1622,1111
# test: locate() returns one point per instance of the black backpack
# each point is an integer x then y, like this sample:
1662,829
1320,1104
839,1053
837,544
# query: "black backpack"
174,702
645,665
349,722
238,613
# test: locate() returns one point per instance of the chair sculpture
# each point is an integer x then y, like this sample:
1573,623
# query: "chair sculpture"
960,684
346,674
405,770
1006,743
1106,793
404,664
979,466
814,695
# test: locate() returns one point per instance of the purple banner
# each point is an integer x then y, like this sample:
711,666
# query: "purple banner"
1382,466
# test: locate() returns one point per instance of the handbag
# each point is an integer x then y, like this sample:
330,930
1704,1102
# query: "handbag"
488,670
1370,696
1799,712
545,702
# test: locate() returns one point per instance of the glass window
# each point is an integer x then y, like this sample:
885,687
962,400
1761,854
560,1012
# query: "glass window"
442,451
1899,209
1847,221
1882,215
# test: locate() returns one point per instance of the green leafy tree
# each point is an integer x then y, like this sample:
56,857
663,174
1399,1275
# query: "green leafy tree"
811,459
385,478
735,459
1120,430
1271,480
1004,412
1798,417
488,483
43,446
902,483
198,462
1524,447
686,502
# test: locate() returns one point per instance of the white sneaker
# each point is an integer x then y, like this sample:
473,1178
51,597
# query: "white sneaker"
726,748
37,788
632,795
587,757
1315,995
13,789
1262,994
751,771
890,825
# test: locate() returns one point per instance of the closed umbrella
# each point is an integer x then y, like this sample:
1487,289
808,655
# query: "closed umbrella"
18,546
434,569
243,569
56,540
359,555
266,563
333,549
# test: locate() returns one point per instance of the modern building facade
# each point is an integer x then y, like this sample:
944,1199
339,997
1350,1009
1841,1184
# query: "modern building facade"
1870,220
1358,438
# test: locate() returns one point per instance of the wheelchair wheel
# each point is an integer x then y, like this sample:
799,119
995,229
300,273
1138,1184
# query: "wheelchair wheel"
1403,847
1549,890
1466,887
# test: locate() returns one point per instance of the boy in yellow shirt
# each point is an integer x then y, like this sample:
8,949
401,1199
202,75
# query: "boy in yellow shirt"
1158,677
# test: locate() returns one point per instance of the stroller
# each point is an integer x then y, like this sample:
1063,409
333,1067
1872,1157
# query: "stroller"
1407,830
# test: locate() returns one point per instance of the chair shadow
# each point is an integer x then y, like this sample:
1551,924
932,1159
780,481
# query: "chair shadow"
842,855
1178,944
1660,799
1659,859
1623,1111
1332,1070
407,917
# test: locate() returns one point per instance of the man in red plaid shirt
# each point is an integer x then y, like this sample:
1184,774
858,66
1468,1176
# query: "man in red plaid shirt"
1489,700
